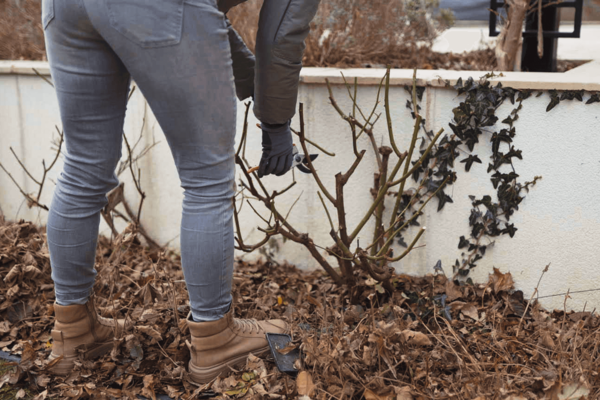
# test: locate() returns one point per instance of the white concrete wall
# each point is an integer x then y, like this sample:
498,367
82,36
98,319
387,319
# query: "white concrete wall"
558,222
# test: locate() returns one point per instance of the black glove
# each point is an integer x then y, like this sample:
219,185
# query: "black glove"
278,149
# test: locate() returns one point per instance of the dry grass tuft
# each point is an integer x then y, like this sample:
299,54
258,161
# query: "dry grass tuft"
358,32
21,33
345,33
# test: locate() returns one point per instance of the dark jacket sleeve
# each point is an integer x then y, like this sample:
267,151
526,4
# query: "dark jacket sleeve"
243,64
283,26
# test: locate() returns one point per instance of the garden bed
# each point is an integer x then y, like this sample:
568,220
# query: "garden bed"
430,338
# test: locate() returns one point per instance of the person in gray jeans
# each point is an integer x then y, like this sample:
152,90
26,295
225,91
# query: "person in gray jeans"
185,58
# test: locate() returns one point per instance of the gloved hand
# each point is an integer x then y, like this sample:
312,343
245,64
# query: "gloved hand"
278,149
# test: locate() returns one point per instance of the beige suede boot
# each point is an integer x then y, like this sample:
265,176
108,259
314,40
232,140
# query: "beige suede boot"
79,328
216,345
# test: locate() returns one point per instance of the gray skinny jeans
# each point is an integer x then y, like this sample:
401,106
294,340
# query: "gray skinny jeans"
178,53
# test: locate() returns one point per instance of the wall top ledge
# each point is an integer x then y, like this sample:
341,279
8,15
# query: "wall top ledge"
586,76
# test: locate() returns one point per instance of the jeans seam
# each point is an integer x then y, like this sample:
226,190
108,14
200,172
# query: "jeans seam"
223,258
70,245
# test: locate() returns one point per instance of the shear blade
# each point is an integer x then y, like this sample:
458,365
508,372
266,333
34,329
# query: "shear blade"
302,168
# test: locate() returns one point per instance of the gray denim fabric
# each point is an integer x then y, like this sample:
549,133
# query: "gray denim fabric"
178,53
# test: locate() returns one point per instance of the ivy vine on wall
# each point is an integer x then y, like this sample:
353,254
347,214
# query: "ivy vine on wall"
490,216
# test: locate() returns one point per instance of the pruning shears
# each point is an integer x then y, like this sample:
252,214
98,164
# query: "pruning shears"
300,161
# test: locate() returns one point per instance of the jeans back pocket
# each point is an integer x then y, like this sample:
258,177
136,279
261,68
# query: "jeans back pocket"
47,12
154,23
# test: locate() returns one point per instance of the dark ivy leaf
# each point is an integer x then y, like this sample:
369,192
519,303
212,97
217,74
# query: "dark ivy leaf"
459,84
524,94
438,266
594,98
572,95
475,214
463,242
420,91
510,229
554,100
470,160
401,241
477,228
443,199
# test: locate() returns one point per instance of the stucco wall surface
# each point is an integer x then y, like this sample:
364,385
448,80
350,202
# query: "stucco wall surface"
558,222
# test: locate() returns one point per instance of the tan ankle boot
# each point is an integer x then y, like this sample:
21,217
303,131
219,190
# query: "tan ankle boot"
79,328
216,345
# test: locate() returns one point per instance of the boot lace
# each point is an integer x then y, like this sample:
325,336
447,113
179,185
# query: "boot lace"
249,325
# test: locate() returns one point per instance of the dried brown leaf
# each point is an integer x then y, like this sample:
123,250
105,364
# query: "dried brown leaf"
452,291
369,395
415,338
304,384
501,282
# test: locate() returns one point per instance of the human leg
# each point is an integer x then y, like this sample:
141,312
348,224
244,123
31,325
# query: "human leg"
91,85
184,71
183,68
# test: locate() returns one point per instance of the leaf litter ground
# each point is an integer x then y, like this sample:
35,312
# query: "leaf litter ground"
429,339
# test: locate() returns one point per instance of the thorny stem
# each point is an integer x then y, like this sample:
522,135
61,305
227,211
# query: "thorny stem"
408,221
385,151
239,239
353,121
409,248
388,115
326,211
244,130
414,93
329,153
308,160
340,181
368,120
380,196
411,149
23,167
418,163
293,205
376,264
48,81
135,181
30,199
398,218
289,232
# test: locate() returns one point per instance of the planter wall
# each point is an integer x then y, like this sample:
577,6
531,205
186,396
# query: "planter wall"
558,222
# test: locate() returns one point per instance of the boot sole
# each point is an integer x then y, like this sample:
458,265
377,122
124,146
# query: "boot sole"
94,350
207,374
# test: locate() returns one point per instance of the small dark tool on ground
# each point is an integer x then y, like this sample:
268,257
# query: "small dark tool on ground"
300,161
283,352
